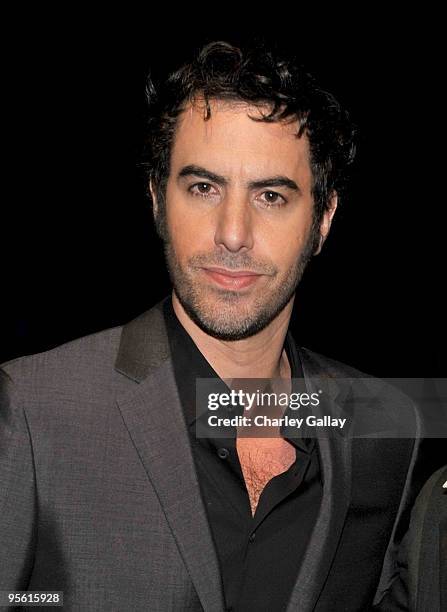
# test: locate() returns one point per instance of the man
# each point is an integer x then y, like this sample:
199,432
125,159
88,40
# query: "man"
107,493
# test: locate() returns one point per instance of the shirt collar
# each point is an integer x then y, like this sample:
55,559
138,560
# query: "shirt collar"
189,364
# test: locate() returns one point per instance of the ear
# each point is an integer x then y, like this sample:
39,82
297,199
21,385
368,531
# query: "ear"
154,200
326,220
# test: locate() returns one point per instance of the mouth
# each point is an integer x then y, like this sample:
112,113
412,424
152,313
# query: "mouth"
232,279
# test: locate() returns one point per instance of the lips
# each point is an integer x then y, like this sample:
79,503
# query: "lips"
232,279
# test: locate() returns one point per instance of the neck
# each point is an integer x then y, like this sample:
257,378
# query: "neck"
260,356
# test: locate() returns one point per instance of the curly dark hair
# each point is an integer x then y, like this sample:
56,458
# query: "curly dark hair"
221,71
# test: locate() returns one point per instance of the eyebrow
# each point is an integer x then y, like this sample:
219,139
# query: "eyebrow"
273,181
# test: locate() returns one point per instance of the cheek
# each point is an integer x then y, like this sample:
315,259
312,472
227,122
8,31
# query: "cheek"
176,216
283,241
189,232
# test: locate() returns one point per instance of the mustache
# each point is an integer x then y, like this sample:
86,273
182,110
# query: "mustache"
230,261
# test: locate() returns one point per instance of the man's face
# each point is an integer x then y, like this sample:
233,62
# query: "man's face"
238,219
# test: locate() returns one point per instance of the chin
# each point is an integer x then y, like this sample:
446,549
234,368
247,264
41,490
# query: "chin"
229,315
225,330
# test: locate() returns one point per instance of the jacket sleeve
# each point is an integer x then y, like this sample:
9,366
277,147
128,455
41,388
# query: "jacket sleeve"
17,491
417,556
400,574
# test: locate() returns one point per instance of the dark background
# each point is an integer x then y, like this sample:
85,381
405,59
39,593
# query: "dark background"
79,252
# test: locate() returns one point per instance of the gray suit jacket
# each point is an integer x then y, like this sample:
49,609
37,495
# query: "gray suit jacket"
99,496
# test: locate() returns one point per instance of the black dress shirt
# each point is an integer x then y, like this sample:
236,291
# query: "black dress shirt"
259,556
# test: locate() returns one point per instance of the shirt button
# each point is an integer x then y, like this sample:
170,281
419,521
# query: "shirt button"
252,537
223,453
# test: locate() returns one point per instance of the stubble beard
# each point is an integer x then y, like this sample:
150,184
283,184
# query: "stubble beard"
221,313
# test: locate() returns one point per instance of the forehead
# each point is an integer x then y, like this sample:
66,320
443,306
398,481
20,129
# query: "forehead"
232,143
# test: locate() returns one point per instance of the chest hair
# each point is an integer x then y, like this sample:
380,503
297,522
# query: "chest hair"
261,460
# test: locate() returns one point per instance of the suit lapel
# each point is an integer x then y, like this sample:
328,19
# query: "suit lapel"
154,418
335,458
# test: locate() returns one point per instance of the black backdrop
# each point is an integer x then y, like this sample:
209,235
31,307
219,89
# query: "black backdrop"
79,251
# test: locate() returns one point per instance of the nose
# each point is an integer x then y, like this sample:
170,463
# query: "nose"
234,229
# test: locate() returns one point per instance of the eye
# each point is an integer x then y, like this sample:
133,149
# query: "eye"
203,190
272,198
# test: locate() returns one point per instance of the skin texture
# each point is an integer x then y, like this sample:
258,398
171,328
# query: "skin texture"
235,226
229,222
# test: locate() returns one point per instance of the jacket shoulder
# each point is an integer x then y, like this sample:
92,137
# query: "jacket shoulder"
381,405
85,353
87,367
329,366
